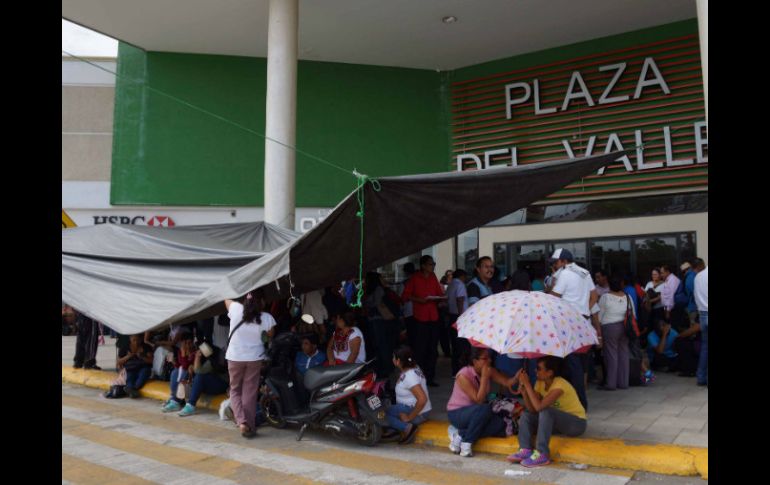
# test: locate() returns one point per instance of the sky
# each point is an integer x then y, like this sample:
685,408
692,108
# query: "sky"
84,42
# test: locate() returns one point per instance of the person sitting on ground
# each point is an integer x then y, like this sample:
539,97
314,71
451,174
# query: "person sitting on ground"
412,402
206,378
137,360
309,356
660,347
185,357
551,406
162,353
347,343
468,410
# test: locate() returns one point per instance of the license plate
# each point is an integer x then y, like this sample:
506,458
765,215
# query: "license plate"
374,402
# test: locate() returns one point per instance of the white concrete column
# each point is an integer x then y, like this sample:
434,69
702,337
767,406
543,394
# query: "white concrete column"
703,30
281,112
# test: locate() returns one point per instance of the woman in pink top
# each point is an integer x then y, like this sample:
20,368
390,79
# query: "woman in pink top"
468,410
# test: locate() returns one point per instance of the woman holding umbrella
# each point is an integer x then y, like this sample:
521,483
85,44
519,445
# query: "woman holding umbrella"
552,405
468,410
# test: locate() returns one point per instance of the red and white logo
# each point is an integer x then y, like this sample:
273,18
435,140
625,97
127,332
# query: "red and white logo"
161,221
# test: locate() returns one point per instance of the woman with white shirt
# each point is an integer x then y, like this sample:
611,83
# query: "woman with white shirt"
613,307
653,299
412,402
250,328
347,343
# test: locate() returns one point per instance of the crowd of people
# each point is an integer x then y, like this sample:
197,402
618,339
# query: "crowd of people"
641,329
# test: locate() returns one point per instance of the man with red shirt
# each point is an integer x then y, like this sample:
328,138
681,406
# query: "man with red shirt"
424,291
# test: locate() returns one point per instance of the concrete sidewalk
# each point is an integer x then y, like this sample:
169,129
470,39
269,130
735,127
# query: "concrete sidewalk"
662,428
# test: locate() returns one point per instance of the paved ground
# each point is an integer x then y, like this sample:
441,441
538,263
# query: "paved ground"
131,442
673,410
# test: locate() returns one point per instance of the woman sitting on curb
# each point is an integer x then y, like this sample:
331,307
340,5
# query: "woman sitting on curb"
552,406
206,379
468,409
412,402
137,360
184,359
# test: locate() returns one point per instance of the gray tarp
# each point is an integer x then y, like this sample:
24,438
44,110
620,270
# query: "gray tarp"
139,278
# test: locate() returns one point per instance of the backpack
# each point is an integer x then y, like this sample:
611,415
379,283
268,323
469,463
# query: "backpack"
681,299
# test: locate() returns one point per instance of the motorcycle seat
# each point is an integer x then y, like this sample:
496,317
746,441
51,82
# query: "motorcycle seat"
320,376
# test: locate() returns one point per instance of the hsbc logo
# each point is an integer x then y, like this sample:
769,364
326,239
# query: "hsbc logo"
161,221
155,221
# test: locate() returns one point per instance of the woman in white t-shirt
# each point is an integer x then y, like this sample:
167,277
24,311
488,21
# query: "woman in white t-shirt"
613,307
653,299
250,328
347,343
412,402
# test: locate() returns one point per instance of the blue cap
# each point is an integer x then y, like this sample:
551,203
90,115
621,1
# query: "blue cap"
562,253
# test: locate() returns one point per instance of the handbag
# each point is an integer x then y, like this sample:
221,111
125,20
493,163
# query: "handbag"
630,325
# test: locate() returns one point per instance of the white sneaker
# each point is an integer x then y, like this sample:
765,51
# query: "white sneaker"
454,440
465,449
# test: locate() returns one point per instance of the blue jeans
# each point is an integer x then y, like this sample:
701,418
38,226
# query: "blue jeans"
395,422
510,366
135,379
703,361
206,383
546,422
174,382
476,421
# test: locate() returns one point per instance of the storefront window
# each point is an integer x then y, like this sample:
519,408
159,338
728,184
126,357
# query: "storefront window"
653,251
468,250
613,256
636,255
607,209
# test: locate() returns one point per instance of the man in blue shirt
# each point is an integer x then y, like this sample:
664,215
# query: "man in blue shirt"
660,347
309,356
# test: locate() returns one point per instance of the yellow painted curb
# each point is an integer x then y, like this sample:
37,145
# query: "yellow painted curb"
606,453
159,390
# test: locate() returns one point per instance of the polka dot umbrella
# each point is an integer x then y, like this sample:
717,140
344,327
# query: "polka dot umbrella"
528,323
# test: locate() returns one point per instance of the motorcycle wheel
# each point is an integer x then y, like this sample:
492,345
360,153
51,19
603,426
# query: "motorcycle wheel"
273,412
370,433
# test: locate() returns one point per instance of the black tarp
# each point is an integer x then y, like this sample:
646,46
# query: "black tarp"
142,278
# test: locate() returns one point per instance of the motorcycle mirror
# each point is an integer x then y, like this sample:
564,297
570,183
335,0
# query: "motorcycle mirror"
307,318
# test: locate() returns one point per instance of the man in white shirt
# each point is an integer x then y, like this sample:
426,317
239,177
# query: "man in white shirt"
574,285
702,300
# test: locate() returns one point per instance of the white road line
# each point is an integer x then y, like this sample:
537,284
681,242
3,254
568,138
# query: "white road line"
135,465
274,461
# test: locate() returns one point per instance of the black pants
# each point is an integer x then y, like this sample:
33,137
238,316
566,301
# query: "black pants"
444,337
411,332
87,342
426,347
459,345
687,360
574,372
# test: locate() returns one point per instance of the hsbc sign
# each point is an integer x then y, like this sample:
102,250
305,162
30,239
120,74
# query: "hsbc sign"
154,221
